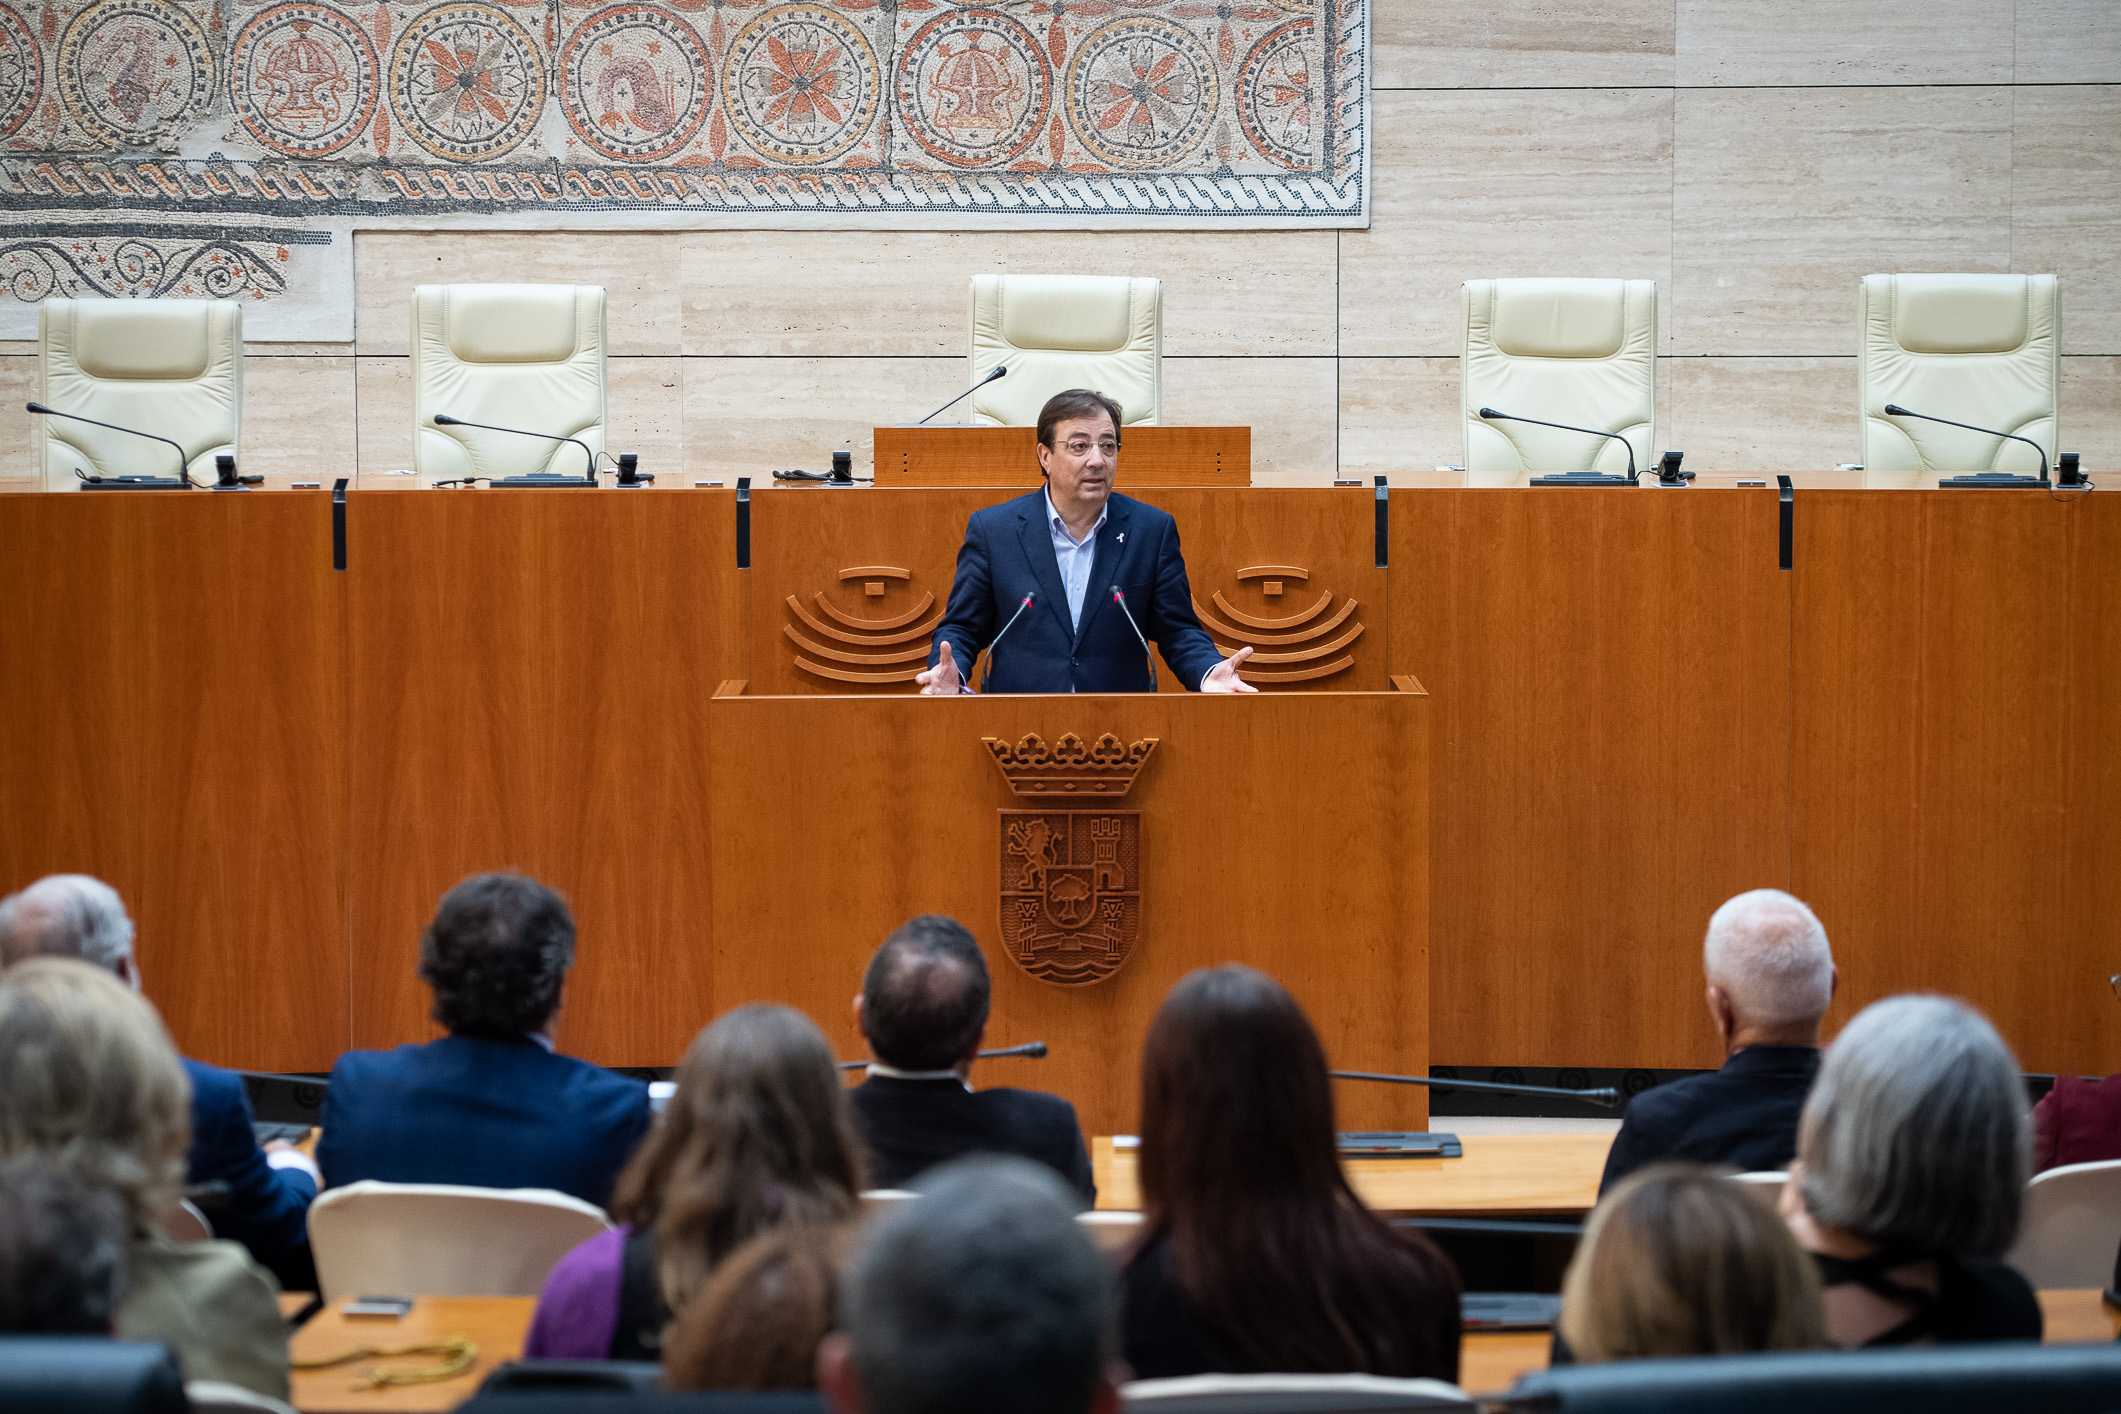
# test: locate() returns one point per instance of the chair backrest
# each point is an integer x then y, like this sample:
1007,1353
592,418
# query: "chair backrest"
185,1223
173,367
435,1239
525,356
547,1401
878,1201
1981,349
1770,1182
1104,332
88,1374
1582,352
220,1397
1110,1232
578,1376
1287,1394
2071,1228
1951,1379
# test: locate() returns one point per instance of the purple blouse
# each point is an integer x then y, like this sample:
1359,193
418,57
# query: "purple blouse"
578,1307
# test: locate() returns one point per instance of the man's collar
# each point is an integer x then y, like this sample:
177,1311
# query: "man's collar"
892,1072
1053,516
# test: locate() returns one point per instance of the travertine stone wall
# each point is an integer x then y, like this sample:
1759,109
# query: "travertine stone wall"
1754,159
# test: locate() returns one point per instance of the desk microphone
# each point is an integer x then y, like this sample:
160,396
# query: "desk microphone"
542,478
1121,600
1581,478
1606,1098
1030,1050
1000,369
988,676
180,482
1985,478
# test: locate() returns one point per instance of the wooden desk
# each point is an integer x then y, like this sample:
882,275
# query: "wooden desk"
1519,1174
2078,1317
495,1323
1008,456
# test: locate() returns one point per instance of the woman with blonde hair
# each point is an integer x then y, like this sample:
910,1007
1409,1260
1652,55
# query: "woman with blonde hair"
758,1135
90,1085
1679,1260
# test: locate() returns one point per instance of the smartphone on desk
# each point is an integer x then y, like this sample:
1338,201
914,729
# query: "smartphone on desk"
376,1308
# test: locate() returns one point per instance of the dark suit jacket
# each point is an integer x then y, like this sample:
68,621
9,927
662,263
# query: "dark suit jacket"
1744,1114
1008,553
266,1209
493,1114
910,1126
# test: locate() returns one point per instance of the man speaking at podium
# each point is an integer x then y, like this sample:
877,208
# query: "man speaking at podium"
1066,586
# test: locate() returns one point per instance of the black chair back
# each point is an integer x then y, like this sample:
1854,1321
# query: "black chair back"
518,1377
549,1401
88,1374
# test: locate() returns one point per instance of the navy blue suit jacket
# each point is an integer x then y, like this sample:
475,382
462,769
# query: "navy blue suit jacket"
266,1209
491,1114
1008,553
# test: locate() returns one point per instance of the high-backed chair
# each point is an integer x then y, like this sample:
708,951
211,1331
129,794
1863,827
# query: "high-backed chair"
1067,331
1582,352
2071,1229
437,1239
1981,349
1286,1394
173,367
89,1373
522,356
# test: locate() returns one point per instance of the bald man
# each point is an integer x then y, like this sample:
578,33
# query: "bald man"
1770,979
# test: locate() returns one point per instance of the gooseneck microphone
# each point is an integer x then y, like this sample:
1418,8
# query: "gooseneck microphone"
1121,600
987,675
1030,1050
1000,370
1493,416
543,478
182,480
1607,1098
1984,478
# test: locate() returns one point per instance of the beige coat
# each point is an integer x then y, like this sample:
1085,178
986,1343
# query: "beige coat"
212,1305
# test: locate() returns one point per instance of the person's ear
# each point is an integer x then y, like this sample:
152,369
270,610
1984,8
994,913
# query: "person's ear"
858,1013
1722,1013
1833,985
1045,457
129,971
838,1380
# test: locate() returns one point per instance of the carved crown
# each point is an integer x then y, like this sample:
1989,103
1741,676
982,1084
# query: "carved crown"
1070,771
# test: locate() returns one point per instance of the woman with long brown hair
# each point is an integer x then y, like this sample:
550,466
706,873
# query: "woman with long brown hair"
1258,1256
758,1135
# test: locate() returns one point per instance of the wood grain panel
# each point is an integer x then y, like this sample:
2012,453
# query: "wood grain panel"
1611,674
1008,456
1954,779
529,677
858,813
174,673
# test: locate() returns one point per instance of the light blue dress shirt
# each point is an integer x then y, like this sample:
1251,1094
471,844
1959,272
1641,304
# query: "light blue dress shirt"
1075,557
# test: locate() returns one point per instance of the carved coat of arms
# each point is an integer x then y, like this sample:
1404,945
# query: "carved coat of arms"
1071,876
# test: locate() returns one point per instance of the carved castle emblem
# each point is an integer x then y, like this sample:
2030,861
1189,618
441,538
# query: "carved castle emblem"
1071,878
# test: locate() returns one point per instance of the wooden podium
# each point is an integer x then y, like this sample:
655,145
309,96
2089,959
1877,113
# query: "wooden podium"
1286,831
1008,456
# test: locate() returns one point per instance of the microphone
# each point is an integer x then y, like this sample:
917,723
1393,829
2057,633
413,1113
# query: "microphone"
1000,369
988,675
1575,478
1983,478
182,480
535,478
1121,600
1607,1098
1030,1050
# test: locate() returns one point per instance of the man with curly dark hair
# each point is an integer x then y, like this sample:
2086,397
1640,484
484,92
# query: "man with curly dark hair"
491,1104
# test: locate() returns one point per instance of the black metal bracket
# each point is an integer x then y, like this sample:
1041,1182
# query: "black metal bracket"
1789,520
743,522
338,524
1384,524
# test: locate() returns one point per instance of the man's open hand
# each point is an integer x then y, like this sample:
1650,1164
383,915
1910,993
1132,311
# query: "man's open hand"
944,680
1223,676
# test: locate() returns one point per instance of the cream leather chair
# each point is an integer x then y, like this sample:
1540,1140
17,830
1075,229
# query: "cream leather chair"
438,1239
1575,351
173,367
1067,331
528,356
1974,348
2071,1227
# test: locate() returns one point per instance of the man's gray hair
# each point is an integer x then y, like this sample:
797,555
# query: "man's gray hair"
1769,954
981,1295
1915,1135
66,915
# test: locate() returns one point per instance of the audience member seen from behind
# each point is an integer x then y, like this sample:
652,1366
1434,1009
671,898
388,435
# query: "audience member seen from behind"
62,1252
1770,978
2079,1121
757,1322
491,1104
1911,1162
90,1083
757,1136
1680,1260
923,1010
1258,1256
263,1193
982,1295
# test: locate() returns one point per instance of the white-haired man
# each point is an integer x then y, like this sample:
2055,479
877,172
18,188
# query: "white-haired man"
1770,978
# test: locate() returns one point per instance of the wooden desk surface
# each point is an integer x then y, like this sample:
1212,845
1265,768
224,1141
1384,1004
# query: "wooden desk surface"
1501,1173
496,1323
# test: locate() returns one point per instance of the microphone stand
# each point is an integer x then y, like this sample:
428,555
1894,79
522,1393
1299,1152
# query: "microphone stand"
1030,1050
1121,600
535,478
1000,369
987,674
1573,478
1606,1098
1981,478
181,482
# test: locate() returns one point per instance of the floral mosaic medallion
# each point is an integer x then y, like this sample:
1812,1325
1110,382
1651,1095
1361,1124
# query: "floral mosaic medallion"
974,88
131,70
466,81
21,72
1142,91
636,82
801,84
302,78
1278,99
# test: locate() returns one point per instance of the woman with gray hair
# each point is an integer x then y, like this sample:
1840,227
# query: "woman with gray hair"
1912,1159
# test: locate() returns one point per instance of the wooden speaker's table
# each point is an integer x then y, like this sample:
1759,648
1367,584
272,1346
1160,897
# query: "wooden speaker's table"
1008,456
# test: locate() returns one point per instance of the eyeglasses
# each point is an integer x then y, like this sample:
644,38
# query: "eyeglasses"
1080,446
